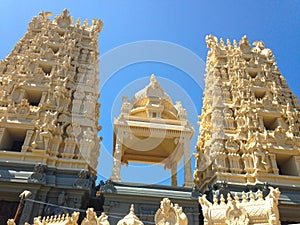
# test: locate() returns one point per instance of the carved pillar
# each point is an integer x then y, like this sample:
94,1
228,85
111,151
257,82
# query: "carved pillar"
2,132
43,98
57,139
273,163
174,174
187,162
297,164
248,163
86,144
220,162
117,157
21,95
42,196
234,162
27,209
27,140
261,124
70,145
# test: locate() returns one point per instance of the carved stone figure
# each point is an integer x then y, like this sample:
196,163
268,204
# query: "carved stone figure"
83,180
229,119
11,222
181,111
91,218
64,20
38,176
86,143
236,216
168,214
62,200
89,105
103,219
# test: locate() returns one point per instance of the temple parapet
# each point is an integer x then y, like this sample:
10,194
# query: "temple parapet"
167,214
251,208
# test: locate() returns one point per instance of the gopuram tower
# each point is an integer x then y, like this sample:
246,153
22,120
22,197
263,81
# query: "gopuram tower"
249,127
49,114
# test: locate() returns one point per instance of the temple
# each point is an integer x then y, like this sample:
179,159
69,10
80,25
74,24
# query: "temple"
249,127
49,114
247,154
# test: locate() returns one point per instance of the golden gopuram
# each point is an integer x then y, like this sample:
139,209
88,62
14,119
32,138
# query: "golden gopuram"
49,113
247,156
249,128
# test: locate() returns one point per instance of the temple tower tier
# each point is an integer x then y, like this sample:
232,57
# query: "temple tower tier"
249,126
49,113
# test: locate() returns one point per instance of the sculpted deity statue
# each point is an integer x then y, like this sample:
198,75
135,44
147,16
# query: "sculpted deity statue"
91,218
168,214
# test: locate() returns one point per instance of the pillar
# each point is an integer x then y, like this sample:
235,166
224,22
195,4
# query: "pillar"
117,157
174,174
27,140
27,209
274,163
187,162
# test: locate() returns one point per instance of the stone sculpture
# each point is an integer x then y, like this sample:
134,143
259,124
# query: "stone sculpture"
168,214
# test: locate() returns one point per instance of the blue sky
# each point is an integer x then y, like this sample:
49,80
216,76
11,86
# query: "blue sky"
181,24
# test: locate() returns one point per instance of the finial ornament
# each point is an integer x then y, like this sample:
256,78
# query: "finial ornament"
152,78
131,218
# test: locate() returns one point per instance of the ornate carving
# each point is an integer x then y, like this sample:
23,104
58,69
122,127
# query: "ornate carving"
38,175
64,19
91,218
107,187
182,115
11,222
130,219
23,108
246,99
236,211
126,106
152,90
103,219
236,216
57,219
169,214
97,25
40,90
83,180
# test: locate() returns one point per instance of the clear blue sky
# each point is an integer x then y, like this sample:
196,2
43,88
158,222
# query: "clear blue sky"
185,23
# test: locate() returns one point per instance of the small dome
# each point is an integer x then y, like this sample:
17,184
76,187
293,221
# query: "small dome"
152,90
153,102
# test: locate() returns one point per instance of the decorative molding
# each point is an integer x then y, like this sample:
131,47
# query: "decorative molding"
252,208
